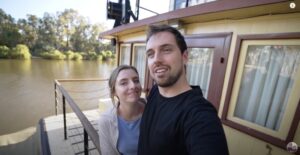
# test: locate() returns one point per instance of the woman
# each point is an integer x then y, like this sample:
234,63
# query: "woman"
119,126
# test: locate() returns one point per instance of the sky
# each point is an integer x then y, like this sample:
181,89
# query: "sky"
94,10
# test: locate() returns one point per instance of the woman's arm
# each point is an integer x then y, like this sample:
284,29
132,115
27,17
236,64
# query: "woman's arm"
106,140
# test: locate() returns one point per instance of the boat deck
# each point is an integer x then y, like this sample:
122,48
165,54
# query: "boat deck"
54,129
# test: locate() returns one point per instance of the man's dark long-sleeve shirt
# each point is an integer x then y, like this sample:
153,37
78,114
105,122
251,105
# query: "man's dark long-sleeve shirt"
186,124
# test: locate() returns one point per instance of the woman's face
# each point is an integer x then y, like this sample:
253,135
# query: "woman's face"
128,88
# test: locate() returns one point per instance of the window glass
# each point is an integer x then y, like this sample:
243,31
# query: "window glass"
196,2
125,55
199,67
268,76
179,4
139,61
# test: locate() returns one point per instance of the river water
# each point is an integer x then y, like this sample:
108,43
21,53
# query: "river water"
27,88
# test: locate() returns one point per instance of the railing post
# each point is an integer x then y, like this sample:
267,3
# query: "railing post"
86,142
55,95
64,114
89,130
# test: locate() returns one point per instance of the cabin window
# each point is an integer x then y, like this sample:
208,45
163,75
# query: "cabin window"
125,52
133,53
264,86
207,57
139,61
197,2
178,4
268,75
199,67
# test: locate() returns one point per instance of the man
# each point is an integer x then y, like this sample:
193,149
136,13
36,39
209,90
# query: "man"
177,119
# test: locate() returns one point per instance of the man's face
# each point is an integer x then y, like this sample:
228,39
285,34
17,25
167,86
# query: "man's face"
165,61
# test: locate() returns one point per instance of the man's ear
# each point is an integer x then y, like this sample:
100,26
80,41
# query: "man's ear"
185,57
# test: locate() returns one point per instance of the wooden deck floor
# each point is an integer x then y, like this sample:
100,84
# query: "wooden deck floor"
74,144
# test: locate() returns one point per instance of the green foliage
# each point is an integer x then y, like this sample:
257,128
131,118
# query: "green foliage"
9,32
92,56
106,55
100,57
55,54
69,55
20,52
113,56
4,51
77,56
28,29
63,31
84,55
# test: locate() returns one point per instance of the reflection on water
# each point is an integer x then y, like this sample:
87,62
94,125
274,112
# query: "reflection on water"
27,88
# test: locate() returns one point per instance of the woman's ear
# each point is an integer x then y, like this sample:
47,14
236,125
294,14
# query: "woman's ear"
116,98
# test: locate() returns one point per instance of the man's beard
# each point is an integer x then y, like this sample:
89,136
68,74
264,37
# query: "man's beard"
171,80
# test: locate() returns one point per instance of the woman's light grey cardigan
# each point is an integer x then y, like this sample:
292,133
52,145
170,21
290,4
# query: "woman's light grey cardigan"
108,132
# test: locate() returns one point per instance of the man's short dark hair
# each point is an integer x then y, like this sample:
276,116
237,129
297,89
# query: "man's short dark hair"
153,29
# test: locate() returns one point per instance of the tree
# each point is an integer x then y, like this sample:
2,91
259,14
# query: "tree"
79,37
63,31
9,34
94,41
29,31
47,39
66,27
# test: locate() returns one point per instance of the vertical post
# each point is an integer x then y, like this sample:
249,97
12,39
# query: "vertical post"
137,8
64,114
86,142
55,98
187,3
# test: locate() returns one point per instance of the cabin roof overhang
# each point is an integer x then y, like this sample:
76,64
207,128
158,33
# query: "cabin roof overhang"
217,10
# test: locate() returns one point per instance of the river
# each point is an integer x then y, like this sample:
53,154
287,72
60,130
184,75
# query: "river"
27,88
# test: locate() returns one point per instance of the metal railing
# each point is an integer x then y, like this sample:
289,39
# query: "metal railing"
88,129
